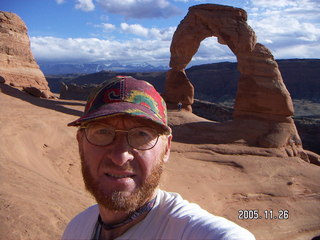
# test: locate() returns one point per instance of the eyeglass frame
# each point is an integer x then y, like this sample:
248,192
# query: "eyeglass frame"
85,126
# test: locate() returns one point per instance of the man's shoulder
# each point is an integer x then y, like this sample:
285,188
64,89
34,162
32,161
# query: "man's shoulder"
197,222
83,224
91,212
174,204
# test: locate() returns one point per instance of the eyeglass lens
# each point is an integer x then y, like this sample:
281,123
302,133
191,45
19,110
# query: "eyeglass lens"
142,138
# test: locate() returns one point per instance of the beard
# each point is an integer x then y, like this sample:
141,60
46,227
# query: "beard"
120,200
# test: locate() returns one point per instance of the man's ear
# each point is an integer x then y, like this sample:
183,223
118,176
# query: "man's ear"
167,149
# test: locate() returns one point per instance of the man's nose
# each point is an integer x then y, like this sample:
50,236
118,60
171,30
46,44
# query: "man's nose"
120,150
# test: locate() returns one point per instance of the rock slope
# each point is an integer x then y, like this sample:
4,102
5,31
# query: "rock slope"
41,187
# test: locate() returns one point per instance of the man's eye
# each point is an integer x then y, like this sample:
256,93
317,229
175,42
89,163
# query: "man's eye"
143,134
104,131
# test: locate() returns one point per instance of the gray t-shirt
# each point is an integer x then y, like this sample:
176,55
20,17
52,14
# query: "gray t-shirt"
171,218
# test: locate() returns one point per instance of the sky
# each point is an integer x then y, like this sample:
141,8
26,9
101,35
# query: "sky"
140,31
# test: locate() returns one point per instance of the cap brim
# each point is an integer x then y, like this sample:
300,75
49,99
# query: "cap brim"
123,108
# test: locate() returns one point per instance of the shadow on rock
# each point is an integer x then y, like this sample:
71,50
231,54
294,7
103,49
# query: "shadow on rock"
45,103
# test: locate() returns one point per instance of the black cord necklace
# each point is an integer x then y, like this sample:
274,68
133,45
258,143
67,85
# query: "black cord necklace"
145,208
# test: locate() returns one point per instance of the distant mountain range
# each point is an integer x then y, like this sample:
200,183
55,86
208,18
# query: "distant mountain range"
87,68
216,82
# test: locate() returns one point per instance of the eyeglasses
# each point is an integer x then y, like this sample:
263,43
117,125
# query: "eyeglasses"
140,138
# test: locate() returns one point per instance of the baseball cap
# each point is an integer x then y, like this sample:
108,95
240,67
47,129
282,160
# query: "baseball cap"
125,95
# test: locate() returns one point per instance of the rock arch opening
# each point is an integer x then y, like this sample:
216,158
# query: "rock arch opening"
213,73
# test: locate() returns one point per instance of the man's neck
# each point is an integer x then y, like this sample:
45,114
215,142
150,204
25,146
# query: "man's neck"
115,217
111,216
114,233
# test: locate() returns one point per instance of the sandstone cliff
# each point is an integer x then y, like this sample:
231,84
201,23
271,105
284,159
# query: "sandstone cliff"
18,67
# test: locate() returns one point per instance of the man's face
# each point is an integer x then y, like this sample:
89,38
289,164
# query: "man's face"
119,176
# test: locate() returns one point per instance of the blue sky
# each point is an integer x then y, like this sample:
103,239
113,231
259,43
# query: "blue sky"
138,31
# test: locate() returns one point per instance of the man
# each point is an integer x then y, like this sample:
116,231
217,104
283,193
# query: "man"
124,140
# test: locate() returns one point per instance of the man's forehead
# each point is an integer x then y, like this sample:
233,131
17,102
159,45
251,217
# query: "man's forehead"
127,120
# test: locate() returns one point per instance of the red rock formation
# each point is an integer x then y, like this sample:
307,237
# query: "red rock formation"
263,107
18,67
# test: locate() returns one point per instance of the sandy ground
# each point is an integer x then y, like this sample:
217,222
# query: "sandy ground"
41,186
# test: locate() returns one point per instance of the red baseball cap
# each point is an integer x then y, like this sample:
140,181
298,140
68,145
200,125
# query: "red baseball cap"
125,95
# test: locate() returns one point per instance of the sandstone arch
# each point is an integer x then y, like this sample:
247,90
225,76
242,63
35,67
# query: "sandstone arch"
261,96
260,79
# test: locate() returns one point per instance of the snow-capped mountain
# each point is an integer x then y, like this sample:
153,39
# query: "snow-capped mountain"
68,68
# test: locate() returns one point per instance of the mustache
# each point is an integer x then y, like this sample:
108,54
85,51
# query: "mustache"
110,165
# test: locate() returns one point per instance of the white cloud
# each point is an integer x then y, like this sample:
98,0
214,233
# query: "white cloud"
211,51
151,33
93,49
289,28
140,8
300,8
108,27
136,29
105,27
153,51
274,4
85,5
60,1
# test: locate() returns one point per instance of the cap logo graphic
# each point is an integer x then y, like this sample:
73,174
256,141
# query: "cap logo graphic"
112,95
